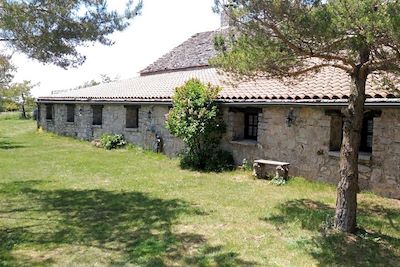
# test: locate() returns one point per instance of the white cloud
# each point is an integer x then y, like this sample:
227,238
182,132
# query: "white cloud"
162,26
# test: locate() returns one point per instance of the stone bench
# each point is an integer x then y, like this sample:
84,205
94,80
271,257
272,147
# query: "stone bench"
268,169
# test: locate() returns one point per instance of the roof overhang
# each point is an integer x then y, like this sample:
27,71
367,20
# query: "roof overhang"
45,100
370,102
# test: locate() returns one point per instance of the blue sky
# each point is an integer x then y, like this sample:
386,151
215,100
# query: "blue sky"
162,26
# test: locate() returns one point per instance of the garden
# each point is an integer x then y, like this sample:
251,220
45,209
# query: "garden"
65,202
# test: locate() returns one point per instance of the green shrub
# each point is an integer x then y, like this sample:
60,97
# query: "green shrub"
219,160
196,119
109,141
278,181
246,165
216,160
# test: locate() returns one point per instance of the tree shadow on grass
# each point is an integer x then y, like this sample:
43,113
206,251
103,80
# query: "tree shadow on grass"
6,145
336,249
133,227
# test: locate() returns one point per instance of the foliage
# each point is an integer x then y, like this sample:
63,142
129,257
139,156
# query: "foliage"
50,31
215,160
112,141
290,39
332,33
17,97
197,120
278,181
246,165
6,71
104,78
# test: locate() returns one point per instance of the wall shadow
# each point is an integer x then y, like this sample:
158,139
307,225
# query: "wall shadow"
134,225
336,249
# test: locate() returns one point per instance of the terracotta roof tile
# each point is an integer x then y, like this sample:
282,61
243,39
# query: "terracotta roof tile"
328,84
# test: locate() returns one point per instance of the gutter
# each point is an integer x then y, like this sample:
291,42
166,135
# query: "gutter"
370,102
103,101
375,102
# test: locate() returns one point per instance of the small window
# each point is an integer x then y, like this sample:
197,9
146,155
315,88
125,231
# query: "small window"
97,115
70,113
337,134
251,126
49,111
132,117
367,135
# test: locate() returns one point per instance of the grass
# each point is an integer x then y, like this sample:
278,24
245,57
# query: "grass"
9,115
66,203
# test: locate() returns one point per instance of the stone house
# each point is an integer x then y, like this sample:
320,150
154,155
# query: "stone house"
299,123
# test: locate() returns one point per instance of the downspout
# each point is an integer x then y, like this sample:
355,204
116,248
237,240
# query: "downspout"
38,116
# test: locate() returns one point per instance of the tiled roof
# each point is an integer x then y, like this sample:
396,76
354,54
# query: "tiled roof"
195,52
329,84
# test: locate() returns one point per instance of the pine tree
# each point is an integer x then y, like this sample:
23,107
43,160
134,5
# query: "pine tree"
291,38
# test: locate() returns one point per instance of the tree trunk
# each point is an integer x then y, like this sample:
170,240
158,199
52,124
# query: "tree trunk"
23,106
346,201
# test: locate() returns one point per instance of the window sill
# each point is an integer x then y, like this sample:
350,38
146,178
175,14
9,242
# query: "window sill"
364,156
97,126
244,142
132,130
49,120
70,123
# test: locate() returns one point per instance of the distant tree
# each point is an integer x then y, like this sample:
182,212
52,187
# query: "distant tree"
104,78
6,76
107,79
51,30
18,97
291,38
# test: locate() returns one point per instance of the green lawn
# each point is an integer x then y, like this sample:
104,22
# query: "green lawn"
66,203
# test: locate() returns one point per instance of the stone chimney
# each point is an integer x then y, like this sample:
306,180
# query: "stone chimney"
226,16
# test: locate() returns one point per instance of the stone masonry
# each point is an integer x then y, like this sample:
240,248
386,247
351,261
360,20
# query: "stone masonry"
305,144
151,123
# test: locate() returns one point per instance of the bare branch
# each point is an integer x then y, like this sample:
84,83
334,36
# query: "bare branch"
385,65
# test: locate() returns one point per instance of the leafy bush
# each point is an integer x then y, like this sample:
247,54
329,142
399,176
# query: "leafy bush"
278,181
109,141
215,160
219,160
196,119
246,165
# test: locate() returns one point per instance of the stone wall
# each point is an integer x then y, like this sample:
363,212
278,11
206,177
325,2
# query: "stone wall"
385,176
150,125
305,144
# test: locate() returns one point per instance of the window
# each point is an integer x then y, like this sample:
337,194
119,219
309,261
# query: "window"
70,113
367,135
97,115
250,125
49,111
336,134
132,117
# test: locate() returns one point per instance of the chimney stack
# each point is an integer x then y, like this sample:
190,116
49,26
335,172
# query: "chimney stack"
226,16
